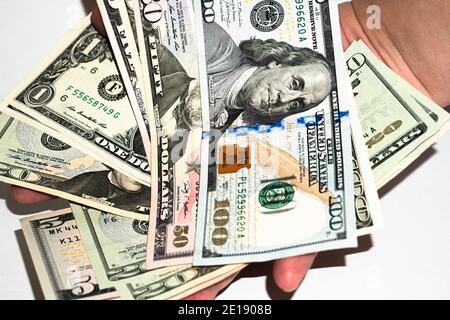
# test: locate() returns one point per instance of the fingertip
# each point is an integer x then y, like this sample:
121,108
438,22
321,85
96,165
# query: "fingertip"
202,295
292,282
288,281
25,196
97,21
288,273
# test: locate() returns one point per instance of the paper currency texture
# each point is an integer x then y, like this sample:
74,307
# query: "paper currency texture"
277,162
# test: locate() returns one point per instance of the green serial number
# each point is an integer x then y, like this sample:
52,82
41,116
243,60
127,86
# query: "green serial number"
241,206
91,101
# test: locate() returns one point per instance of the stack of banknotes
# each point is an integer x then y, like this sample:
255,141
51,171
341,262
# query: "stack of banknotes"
196,137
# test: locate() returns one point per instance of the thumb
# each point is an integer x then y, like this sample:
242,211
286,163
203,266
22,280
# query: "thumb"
97,21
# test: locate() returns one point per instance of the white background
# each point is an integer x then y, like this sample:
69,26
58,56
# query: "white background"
410,258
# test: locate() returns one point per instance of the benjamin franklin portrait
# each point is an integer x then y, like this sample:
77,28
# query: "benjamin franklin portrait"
264,80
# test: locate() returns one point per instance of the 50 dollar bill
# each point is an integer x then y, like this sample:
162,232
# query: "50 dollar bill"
168,50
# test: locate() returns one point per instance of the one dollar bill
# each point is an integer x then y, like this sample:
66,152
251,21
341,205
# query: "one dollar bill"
36,160
79,93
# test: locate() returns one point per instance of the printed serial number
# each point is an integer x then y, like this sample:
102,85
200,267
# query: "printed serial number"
91,101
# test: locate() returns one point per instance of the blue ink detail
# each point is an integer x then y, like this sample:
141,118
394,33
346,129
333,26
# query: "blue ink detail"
278,126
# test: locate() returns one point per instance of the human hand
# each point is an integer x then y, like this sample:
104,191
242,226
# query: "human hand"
26,196
405,46
416,51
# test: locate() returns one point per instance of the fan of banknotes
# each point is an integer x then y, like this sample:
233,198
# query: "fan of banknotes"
201,136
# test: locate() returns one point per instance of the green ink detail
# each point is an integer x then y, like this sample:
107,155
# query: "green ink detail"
93,102
276,195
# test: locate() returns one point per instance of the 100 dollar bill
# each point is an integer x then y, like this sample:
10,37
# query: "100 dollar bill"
279,155
61,262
